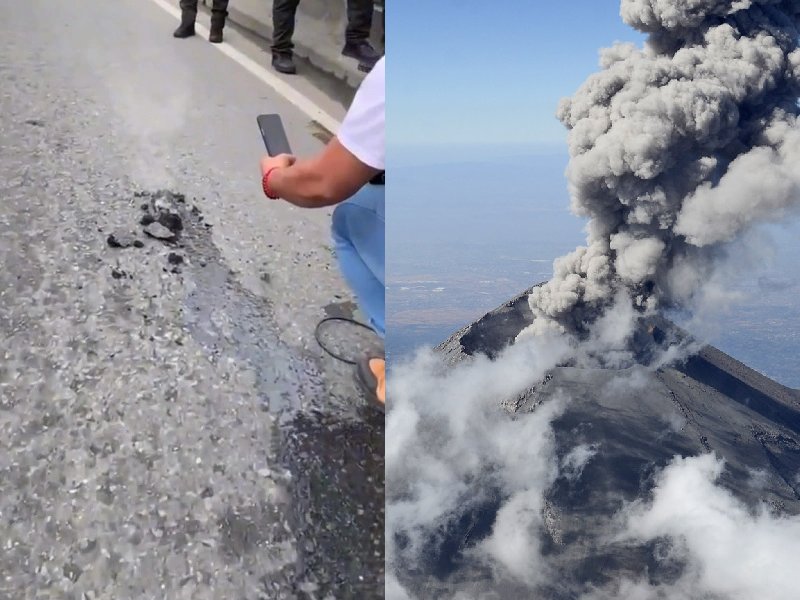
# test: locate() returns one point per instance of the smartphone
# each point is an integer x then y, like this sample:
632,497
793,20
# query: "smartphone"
274,134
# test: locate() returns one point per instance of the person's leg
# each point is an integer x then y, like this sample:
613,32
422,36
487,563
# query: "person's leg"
283,17
188,16
359,27
359,240
219,12
359,20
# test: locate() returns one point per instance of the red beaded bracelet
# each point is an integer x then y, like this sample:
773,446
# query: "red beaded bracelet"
265,185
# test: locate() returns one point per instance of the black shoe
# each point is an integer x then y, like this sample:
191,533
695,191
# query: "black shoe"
283,63
217,24
363,52
186,28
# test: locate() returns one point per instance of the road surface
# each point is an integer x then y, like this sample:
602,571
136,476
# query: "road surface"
169,428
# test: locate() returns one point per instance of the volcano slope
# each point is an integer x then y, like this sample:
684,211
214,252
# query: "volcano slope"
638,420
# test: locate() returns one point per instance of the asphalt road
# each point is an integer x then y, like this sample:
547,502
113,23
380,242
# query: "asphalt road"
169,427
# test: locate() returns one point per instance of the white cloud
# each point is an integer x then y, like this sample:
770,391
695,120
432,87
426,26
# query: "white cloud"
731,552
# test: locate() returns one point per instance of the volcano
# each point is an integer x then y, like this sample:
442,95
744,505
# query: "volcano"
706,403
617,473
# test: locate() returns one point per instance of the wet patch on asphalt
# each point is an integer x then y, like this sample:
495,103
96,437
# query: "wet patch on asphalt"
329,485
340,494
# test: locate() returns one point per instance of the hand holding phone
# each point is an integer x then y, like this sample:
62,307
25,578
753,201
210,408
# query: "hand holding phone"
276,162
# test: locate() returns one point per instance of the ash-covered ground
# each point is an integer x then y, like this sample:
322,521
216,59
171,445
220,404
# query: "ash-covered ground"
168,426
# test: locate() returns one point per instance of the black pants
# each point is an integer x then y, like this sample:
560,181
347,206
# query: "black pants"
359,23
217,6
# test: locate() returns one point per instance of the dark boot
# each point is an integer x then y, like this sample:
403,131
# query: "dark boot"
363,52
219,13
283,63
359,26
188,17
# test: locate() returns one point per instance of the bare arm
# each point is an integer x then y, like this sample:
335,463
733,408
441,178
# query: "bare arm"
330,177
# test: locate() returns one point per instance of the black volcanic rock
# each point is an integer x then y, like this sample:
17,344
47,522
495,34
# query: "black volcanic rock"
161,214
123,239
721,406
171,220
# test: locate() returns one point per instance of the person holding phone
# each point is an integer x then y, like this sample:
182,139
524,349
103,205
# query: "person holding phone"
349,173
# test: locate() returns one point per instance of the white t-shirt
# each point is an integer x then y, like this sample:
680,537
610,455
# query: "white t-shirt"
362,131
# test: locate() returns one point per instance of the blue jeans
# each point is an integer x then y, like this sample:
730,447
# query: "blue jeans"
360,242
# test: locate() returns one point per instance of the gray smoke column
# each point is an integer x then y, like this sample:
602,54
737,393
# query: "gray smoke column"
676,149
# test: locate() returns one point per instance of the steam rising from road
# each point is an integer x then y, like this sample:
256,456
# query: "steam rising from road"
149,116
676,149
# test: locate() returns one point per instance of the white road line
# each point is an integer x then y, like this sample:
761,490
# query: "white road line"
303,103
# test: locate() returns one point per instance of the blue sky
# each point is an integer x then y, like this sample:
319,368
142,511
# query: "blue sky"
472,72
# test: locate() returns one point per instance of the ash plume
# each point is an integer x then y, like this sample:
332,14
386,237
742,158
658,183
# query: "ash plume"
676,149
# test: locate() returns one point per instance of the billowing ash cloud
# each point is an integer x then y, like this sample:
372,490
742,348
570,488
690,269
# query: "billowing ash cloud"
675,149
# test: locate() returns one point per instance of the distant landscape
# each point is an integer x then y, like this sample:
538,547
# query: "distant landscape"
469,228
465,236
